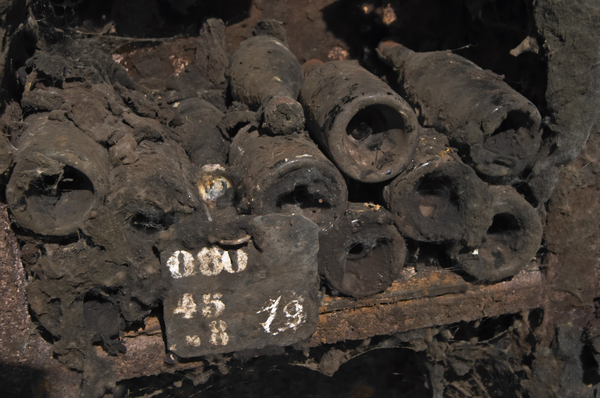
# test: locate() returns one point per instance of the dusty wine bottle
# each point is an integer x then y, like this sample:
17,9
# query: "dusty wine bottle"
509,243
207,150
367,129
264,73
150,193
363,253
199,134
145,197
60,175
293,176
439,199
496,129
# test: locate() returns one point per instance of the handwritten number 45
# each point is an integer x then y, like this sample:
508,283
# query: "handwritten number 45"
213,305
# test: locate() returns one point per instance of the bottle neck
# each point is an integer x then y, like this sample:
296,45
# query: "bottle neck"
393,53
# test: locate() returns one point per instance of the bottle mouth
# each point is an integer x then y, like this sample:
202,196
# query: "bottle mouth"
151,220
508,150
69,180
509,243
502,239
60,175
314,189
57,203
375,143
370,125
441,200
437,197
283,115
308,200
375,251
369,264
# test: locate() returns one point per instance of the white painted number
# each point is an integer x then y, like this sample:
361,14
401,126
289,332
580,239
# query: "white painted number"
218,333
214,307
242,262
215,302
193,340
273,311
188,264
186,306
294,310
212,262
294,313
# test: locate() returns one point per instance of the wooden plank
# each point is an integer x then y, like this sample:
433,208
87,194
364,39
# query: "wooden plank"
431,298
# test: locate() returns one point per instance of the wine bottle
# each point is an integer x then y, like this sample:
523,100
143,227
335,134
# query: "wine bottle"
363,253
292,177
439,199
265,75
199,134
60,175
146,198
496,129
153,192
367,129
207,149
510,242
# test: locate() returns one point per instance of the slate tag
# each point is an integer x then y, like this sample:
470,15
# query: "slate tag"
259,293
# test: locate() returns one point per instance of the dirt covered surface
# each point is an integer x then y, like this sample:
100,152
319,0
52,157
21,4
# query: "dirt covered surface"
99,331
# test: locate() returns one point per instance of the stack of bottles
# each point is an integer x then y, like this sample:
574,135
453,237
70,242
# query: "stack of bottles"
439,160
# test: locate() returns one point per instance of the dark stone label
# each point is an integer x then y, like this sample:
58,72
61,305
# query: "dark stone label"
261,292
